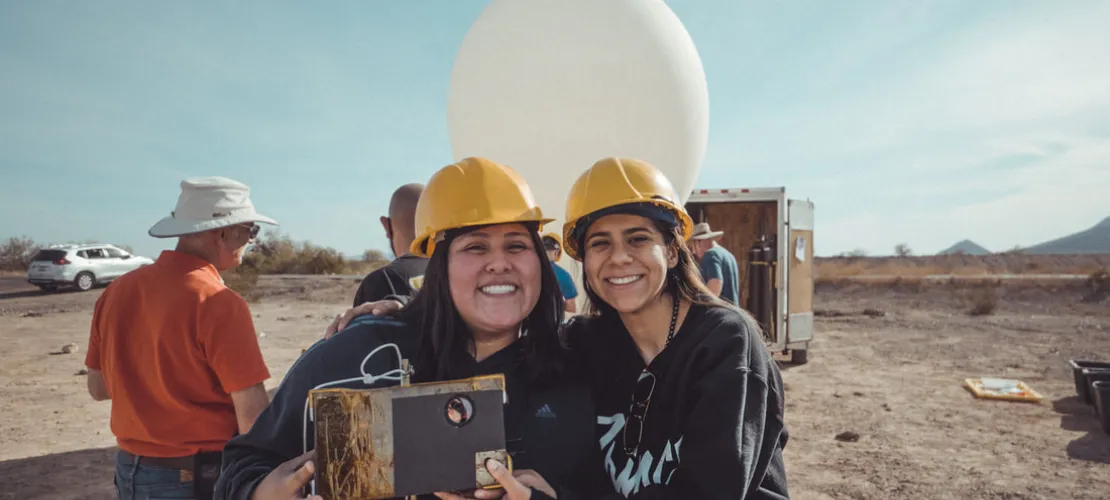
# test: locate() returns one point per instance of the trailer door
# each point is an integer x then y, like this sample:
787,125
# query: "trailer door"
800,250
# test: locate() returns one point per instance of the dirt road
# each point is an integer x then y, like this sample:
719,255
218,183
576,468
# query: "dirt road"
888,384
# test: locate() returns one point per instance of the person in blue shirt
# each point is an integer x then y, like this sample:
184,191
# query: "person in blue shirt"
718,265
553,244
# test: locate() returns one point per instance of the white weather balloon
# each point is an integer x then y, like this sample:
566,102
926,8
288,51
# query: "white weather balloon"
548,87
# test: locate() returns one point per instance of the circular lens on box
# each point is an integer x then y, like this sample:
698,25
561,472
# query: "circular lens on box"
459,410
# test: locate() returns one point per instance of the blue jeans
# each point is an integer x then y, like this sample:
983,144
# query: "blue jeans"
137,481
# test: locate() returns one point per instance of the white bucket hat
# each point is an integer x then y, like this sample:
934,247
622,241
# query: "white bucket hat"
208,203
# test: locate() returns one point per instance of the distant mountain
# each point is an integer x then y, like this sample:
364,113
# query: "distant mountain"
965,247
1095,240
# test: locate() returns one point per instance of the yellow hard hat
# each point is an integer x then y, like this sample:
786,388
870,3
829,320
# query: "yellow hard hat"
559,240
613,183
555,236
471,192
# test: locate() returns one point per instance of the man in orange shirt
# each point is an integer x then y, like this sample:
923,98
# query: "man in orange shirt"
176,351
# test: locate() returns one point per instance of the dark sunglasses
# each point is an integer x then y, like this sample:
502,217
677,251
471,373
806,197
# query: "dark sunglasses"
253,228
637,411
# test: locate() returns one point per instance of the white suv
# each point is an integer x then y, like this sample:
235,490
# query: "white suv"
81,266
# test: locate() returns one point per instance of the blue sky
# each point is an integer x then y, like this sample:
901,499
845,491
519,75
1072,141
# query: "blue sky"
915,122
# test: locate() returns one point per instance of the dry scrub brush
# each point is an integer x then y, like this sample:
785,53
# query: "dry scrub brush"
983,300
276,253
834,268
244,280
16,253
1098,286
980,298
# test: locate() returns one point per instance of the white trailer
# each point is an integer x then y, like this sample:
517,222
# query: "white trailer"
771,237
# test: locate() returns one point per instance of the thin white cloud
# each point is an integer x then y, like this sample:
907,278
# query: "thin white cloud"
990,133
1053,198
954,120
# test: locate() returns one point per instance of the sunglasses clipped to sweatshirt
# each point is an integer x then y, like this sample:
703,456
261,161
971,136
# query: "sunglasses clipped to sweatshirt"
637,411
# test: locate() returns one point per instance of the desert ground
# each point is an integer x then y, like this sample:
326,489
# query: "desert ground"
877,413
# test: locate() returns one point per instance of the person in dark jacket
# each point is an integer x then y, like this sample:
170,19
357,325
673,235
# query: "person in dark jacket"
690,403
490,304
405,273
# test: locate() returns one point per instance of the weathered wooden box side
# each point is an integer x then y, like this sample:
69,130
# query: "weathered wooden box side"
354,435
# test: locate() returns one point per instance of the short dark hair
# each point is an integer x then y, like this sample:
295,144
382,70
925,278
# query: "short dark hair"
445,339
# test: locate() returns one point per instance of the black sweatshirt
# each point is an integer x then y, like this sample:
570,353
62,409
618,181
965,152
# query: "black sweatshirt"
549,428
714,425
403,276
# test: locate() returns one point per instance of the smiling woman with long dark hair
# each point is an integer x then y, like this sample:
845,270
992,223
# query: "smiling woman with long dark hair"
690,403
448,343
490,304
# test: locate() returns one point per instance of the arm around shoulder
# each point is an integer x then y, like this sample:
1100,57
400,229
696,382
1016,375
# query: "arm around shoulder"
374,287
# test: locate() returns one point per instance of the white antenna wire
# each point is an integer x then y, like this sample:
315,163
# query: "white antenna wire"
395,374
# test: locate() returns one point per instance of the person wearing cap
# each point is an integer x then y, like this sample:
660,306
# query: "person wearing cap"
718,266
554,248
490,303
405,273
175,350
690,403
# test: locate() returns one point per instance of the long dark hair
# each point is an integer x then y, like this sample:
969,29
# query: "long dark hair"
445,339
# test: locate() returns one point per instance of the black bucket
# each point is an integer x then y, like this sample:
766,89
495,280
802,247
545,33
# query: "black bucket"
1082,385
1092,375
1101,392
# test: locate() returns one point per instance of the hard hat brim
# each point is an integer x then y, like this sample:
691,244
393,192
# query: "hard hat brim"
425,245
661,211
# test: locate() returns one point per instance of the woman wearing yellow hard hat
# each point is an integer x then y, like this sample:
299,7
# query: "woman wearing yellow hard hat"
689,400
553,244
489,304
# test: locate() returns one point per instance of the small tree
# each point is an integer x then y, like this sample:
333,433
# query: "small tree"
902,250
16,253
374,255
